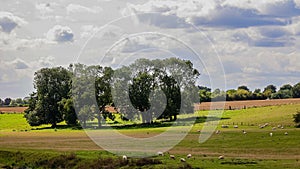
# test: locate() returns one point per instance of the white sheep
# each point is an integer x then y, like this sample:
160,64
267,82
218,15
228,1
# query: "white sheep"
189,156
172,157
274,128
218,132
286,133
271,134
124,157
221,157
235,126
160,153
182,159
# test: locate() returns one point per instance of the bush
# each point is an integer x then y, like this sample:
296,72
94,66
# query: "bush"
297,119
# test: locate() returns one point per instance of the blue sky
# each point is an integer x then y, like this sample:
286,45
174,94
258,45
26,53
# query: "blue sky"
256,42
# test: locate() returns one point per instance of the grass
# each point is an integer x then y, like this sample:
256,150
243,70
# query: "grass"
256,149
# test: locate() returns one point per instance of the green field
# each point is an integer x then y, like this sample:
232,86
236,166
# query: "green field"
22,145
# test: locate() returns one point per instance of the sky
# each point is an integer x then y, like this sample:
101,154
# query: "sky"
231,42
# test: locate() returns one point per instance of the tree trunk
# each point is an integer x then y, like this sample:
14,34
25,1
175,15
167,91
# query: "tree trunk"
175,117
99,120
53,125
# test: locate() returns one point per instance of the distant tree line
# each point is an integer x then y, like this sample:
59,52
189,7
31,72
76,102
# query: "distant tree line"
18,102
244,93
133,90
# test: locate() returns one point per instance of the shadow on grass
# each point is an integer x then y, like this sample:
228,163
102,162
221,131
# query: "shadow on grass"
157,124
75,127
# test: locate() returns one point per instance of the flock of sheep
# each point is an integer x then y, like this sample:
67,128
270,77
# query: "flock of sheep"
260,126
218,132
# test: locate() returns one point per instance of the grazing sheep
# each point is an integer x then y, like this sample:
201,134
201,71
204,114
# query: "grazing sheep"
244,132
218,132
236,126
286,133
274,128
172,157
279,126
160,153
221,157
124,157
182,159
189,156
282,127
271,134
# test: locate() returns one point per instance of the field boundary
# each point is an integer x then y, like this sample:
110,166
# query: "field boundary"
233,105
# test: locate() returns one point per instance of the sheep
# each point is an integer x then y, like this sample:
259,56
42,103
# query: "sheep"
189,156
244,132
160,153
286,133
221,157
271,134
172,157
198,131
235,126
218,132
182,159
124,157
274,128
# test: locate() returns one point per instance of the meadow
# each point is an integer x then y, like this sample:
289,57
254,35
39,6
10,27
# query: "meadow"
42,147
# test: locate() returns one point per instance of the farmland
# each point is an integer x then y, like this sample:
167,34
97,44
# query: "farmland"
256,149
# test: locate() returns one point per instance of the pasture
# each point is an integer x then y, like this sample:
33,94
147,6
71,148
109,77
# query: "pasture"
21,144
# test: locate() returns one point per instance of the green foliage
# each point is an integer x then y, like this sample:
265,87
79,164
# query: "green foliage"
171,80
296,90
52,85
297,118
66,106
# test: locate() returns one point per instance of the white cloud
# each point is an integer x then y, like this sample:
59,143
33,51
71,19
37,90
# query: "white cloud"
60,34
8,21
218,13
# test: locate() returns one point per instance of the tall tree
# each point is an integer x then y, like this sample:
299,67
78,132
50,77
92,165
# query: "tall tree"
269,90
7,101
296,90
52,84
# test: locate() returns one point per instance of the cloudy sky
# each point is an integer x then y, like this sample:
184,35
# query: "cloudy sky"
256,43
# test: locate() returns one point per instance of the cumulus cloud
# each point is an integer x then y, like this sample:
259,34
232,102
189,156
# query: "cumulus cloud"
218,13
8,21
60,34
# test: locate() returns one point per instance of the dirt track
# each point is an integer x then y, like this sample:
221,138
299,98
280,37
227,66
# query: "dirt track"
248,103
12,109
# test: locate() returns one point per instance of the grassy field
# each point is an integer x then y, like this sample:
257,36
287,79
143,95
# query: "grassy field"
21,144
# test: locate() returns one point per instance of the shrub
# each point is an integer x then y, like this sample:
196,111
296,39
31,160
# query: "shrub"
297,119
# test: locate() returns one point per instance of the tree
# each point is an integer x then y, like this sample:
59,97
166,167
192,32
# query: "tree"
30,114
83,92
173,77
204,94
284,92
52,85
296,90
1,102
269,90
244,88
7,101
297,118
103,91
19,102
66,106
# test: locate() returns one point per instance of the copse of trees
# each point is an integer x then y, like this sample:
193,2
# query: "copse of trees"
244,93
146,90
19,102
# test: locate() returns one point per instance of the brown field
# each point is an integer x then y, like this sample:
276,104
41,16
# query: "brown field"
248,103
12,109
